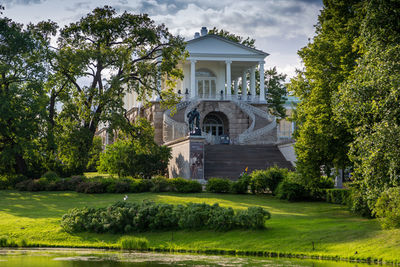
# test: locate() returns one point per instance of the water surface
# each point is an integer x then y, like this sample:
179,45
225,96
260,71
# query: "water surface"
105,258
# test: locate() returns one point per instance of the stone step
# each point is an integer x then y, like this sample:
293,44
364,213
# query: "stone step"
229,161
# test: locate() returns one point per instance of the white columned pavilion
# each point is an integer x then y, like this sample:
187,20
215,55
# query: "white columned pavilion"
262,86
228,79
193,93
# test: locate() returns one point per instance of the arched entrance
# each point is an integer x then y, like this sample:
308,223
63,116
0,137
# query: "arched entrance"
216,124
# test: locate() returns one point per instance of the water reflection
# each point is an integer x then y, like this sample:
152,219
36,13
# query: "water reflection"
106,258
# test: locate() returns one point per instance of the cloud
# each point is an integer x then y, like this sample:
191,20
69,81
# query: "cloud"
10,3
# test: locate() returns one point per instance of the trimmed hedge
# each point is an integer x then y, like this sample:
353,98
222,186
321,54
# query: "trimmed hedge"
387,208
100,184
124,217
291,191
338,196
218,185
264,181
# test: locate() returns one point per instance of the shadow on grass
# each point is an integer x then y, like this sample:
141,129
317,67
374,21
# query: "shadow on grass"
292,223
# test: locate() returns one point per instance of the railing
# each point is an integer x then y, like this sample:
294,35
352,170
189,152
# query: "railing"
178,129
250,134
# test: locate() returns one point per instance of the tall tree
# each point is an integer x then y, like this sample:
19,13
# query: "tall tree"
22,98
321,140
101,57
368,103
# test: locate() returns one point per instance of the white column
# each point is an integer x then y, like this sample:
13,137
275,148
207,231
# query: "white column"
262,81
235,87
193,79
244,85
228,79
253,83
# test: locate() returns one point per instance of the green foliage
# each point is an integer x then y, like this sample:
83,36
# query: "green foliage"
291,191
367,104
387,208
8,181
321,140
160,184
94,154
185,186
276,96
137,157
263,181
124,217
241,186
22,98
233,37
218,185
134,243
338,196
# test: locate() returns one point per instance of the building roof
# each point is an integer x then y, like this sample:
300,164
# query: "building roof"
243,48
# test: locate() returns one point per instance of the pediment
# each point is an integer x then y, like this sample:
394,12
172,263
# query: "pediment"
216,45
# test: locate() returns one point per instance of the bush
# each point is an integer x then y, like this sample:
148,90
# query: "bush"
358,203
160,184
50,176
291,191
387,208
140,185
218,185
338,196
263,181
139,157
186,186
131,242
9,181
241,186
92,187
123,217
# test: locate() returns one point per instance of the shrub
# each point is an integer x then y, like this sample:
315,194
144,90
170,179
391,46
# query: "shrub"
291,191
253,218
119,186
160,184
186,186
241,186
140,185
50,176
92,187
139,157
324,182
262,181
218,185
9,181
387,208
123,217
338,196
131,242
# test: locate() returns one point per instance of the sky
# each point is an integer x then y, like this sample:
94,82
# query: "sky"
280,27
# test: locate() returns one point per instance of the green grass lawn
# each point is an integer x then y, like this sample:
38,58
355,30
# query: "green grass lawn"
293,227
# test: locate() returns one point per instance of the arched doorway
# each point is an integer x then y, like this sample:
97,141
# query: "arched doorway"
216,124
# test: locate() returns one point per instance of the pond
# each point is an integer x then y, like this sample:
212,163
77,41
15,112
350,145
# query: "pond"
85,258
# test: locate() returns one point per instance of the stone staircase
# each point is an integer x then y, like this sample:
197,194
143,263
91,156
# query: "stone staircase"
229,161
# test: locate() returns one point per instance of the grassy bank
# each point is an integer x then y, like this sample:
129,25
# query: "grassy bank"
293,228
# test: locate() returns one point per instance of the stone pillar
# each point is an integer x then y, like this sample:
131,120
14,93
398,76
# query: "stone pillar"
235,87
228,79
193,79
244,85
253,83
262,81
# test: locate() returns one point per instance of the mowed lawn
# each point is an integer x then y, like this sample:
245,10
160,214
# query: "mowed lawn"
292,229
